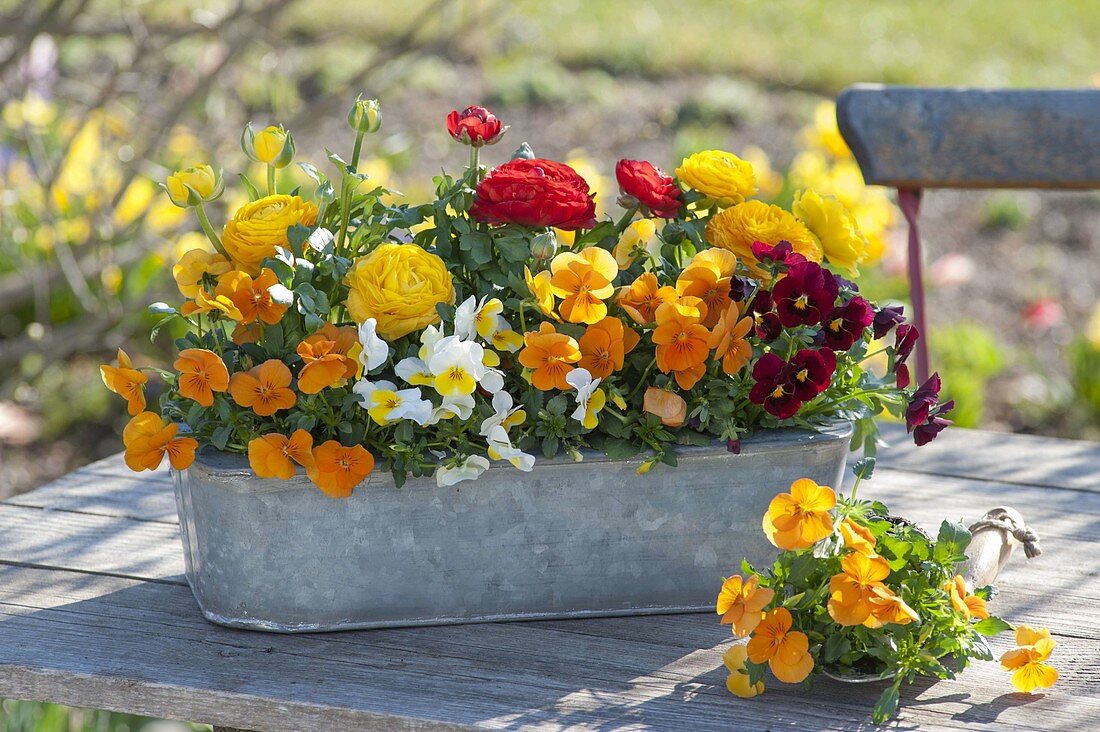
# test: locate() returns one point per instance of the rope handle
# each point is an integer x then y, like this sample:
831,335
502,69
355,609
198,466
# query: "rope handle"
1003,520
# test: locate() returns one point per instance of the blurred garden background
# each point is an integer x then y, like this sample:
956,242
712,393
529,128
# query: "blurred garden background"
100,99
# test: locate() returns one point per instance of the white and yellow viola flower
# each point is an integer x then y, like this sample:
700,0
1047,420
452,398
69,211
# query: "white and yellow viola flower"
590,398
429,337
461,406
456,365
506,339
501,448
375,350
482,318
504,414
469,469
414,371
385,403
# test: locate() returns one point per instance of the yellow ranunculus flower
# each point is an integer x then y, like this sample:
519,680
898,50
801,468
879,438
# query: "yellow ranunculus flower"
835,228
192,186
735,229
269,142
720,176
258,227
399,286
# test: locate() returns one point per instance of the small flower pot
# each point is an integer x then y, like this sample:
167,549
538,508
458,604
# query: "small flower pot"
568,539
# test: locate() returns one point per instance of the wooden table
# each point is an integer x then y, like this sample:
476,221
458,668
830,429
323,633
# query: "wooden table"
94,612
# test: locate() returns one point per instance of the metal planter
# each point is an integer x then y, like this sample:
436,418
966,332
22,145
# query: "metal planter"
565,540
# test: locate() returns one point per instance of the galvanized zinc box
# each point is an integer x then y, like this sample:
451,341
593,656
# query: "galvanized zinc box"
566,540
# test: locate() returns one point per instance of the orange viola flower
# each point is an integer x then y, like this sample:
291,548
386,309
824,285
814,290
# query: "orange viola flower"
148,437
246,333
857,538
738,680
886,607
539,285
800,519
682,341
584,279
850,592
967,605
707,277
205,303
1029,672
642,297
274,455
202,373
264,388
251,296
670,407
326,358
741,603
551,355
126,381
336,469
604,345
729,339
786,651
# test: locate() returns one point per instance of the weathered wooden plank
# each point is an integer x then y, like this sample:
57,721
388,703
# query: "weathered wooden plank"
1006,458
89,648
911,137
108,488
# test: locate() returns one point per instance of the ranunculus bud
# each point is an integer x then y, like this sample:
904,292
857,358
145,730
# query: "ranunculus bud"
272,145
544,246
644,185
195,185
475,126
365,115
523,152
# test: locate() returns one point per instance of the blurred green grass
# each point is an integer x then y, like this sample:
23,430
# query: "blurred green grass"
16,716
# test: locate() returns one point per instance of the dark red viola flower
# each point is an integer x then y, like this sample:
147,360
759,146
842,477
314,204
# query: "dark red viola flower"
646,186
733,446
906,337
475,126
741,288
922,402
847,324
805,296
782,253
811,371
886,318
925,433
773,388
766,323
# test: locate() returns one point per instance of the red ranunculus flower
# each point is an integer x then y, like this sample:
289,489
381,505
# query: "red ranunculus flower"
773,388
805,296
811,371
906,337
847,323
536,193
475,126
648,186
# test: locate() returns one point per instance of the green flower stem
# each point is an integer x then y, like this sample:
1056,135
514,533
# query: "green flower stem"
626,219
270,179
475,162
855,487
848,397
206,227
641,381
522,317
357,150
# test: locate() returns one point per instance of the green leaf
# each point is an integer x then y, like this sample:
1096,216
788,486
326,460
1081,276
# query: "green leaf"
221,436
617,448
951,542
250,188
297,236
513,247
864,468
991,626
886,706
836,645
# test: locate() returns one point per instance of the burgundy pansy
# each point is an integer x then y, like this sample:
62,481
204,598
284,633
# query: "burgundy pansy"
846,324
781,253
924,417
773,389
805,296
906,338
811,371
765,322
886,318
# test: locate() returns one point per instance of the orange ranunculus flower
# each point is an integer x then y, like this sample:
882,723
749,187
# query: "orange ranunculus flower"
967,605
540,288
707,276
193,266
850,592
642,297
257,228
274,455
741,603
264,388
800,519
887,607
682,340
1026,661
552,355
729,339
126,381
147,437
585,280
857,538
738,680
786,651
670,407
251,296
336,469
604,345
202,373
206,303
326,358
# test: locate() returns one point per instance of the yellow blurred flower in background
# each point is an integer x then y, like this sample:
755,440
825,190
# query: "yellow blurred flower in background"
835,228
